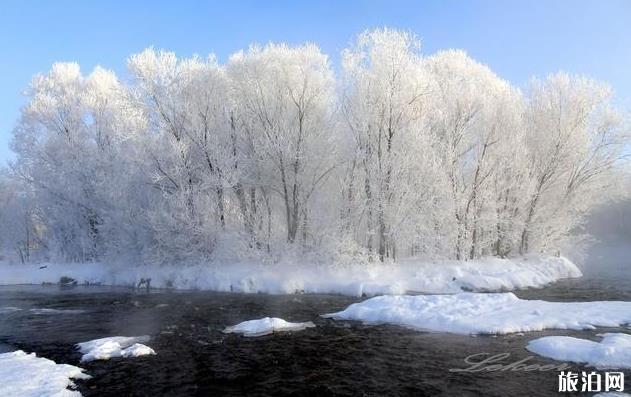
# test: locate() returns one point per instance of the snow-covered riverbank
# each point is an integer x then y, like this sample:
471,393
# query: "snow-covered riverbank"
26,375
492,274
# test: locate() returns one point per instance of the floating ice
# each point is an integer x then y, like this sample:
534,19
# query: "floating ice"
114,346
267,325
613,351
476,313
137,350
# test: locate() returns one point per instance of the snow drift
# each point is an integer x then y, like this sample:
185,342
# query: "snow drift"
26,375
491,274
495,313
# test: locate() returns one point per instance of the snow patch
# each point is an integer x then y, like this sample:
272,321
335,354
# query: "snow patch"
26,375
410,275
114,346
613,351
476,313
266,326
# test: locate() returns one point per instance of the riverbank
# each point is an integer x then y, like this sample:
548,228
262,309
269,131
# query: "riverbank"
408,276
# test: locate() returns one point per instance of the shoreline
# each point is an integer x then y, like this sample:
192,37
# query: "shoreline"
407,276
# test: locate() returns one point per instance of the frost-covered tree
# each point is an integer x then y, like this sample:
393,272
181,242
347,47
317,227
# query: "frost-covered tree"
68,144
575,139
268,154
384,100
474,120
182,101
284,101
20,236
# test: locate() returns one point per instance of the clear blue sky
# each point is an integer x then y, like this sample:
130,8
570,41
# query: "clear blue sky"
516,39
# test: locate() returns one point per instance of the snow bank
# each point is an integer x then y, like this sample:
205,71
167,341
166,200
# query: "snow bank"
495,313
114,346
265,326
491,274
614,351
26,375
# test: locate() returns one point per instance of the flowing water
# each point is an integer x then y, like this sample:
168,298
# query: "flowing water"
194,357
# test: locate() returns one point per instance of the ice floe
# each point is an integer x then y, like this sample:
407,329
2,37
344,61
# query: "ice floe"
115,346
9,309
613,351
26,375
137,350
477,313
267,325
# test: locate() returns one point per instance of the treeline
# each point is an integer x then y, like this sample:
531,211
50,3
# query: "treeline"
399,155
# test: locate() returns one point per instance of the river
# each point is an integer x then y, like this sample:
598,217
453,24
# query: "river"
336,358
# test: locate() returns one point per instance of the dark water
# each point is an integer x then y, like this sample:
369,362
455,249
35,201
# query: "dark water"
194,358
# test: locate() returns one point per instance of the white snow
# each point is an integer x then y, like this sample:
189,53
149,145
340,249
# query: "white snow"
267,325
115,346
137,350
613,351
26,375
476,313
491,274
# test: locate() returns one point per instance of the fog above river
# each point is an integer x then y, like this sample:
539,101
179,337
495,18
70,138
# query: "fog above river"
609,254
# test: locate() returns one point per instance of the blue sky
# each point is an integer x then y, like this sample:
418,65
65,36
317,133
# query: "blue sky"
516,39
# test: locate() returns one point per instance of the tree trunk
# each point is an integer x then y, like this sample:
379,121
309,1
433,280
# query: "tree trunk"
243,208
382,235
523,248
288,210
369,225
220,206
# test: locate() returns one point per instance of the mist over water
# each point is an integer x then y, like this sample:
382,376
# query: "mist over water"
609,254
